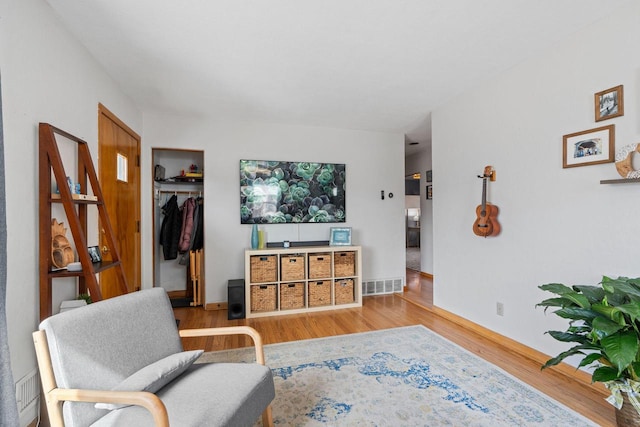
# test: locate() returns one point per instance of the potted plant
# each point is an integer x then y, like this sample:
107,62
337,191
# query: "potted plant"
604,322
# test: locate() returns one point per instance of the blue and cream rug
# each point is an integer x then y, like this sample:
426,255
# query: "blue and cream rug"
406,376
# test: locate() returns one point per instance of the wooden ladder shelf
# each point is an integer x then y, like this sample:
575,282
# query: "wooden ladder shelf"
75,210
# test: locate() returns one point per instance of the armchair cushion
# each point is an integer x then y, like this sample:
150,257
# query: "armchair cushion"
153,377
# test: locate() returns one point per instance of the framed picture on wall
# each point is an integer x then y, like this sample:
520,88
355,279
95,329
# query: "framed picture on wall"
429,192
609,103
429,176
589,147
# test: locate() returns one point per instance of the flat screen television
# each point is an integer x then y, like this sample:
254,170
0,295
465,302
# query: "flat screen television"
279,192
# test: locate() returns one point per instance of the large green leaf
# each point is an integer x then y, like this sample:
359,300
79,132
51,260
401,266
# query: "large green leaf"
568,337
593,293
611,313
604,374
621,348
556,302
578,299
606,326
631,309
621,286
576,313
589,359
578,349
556,288
559,358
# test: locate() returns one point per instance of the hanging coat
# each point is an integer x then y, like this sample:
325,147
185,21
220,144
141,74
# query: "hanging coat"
198,221
187,224
170,229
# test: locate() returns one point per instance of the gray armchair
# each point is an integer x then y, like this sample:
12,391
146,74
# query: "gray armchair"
120,362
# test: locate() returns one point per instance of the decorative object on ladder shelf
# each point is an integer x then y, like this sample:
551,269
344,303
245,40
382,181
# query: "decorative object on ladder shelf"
61,251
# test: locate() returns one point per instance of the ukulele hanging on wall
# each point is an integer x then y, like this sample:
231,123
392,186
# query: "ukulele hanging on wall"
486,223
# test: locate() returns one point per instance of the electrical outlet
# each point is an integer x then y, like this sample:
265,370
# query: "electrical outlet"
500,309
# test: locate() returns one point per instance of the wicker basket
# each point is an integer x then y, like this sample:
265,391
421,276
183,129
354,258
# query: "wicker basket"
343,291
319,293
319,265
264,268
292,267
344,264
264,298
291,295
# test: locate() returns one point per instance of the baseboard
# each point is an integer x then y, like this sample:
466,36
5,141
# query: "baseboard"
212,306
564,369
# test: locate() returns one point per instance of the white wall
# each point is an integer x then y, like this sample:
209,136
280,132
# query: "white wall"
47,76
374,162
558,225
421,163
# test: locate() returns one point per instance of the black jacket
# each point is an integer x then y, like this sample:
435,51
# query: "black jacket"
170,230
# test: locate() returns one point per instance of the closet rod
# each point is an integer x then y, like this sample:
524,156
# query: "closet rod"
179,192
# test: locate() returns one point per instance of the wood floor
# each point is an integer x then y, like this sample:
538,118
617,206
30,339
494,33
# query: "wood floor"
390,311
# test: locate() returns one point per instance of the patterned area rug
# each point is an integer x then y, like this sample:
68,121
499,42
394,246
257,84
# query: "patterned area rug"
406,376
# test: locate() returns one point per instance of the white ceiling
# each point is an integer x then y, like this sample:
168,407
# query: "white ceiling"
380,65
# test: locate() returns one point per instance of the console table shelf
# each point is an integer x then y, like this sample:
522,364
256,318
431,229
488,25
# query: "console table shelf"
302,279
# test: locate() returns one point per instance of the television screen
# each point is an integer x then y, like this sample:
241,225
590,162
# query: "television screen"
277,192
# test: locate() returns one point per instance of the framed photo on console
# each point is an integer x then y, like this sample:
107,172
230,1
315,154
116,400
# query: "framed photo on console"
340,236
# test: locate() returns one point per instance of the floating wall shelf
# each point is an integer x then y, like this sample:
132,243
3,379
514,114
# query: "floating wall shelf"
620,181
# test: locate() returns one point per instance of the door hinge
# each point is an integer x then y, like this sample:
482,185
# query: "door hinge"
138,226
138,160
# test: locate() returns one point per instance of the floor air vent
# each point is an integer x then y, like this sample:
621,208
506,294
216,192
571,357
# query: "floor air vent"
382,286
28,390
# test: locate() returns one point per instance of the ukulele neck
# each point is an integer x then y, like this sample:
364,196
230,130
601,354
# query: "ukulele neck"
484,195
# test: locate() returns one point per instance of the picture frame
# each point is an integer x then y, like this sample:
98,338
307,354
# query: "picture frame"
340,236
94,254
429,192
429,175
589,147
609,103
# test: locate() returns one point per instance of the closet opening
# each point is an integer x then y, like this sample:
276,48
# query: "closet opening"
178,224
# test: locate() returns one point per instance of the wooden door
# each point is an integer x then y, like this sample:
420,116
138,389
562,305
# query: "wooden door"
119,170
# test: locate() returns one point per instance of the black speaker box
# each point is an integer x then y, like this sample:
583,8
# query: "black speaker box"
235,299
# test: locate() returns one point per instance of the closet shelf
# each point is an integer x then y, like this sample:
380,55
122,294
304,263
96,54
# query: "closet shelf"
178,182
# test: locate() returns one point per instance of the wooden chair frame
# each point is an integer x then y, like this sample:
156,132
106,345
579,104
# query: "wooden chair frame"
55,396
